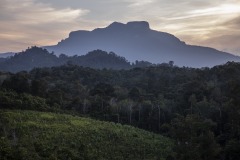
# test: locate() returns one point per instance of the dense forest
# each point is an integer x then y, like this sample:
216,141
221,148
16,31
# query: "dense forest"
197,108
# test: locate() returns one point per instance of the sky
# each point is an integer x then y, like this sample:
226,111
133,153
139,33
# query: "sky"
25,23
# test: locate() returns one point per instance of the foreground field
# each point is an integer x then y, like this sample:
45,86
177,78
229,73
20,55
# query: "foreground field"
40,135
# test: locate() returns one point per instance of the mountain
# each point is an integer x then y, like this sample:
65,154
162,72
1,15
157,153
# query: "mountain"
42,135
137,41
5,55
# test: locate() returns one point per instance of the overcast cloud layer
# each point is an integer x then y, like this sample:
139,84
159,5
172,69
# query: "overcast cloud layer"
25,23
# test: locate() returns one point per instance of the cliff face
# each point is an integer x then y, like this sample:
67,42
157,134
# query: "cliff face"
137,41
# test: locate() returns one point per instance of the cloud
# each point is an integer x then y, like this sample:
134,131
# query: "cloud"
227,37
45,22
214,25
27,22
227,42
233,23
137,3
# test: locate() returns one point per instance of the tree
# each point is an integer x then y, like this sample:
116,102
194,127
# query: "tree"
134,94
18,82
171,63
38,87
193,101
104,92
194,139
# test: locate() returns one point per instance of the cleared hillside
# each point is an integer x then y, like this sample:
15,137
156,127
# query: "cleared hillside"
41,135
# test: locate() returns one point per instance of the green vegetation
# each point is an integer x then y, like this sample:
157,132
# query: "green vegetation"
12,100
199,109
40,135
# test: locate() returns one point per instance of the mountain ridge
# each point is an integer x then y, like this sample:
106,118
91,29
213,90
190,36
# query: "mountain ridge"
137,41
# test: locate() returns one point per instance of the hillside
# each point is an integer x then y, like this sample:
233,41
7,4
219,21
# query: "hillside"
40,135
137,41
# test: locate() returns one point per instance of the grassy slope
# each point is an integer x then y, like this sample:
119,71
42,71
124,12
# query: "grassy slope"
41,135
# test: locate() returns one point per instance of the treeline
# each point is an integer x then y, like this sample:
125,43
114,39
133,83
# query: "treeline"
35,57
198,108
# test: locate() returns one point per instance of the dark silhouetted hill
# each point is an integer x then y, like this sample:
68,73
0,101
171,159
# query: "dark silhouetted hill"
100,59
38,57
29,59
136,41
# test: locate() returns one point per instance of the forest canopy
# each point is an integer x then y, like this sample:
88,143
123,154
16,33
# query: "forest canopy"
197,108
